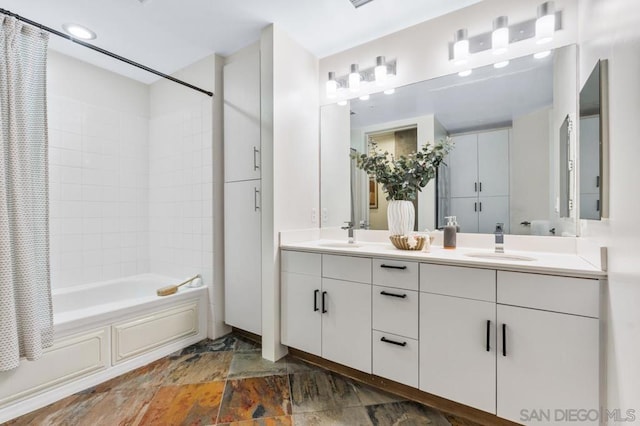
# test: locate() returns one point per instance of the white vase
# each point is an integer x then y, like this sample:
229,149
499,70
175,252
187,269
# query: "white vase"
401,217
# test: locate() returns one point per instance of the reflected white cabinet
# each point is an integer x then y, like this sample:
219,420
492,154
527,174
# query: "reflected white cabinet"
242,193
242,247
590,168
479,182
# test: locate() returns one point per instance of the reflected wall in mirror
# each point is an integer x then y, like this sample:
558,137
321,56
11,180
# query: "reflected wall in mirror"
594,144
504,167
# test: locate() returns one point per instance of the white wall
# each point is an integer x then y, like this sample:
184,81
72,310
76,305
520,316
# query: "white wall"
181,177
290,161
610,29
98,172
422,51
529,170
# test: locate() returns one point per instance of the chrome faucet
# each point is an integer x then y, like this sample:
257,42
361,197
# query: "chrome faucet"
349,228
499,234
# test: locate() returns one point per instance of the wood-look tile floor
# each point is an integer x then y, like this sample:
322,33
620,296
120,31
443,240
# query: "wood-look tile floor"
227,382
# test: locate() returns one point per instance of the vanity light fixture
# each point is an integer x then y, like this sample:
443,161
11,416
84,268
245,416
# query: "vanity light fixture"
541,55
546,23
460,46
465,73
390,91
500,35
79,31
501,64
332,86
365,97
354,78
380,71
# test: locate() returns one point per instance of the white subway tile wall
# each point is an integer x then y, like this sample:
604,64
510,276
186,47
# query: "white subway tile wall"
181,192
99,193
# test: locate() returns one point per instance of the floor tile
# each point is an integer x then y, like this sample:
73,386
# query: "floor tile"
71,414
320,391
295,365
405,413
351,416
251,364
271,421
225,343
245,345
148,376
246,399
43,415
369,395
459,421
185,405
122,407
199,368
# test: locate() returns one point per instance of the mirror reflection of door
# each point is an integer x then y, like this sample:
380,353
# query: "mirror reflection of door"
397,142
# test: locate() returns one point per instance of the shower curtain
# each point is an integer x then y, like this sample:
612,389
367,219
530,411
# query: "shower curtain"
26,319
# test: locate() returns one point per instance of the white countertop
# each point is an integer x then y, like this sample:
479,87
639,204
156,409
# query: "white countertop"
543,263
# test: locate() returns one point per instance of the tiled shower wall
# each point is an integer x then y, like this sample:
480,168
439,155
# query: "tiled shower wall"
98,170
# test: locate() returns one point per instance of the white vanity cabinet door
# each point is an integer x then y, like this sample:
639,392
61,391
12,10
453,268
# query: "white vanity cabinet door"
301,312
454,360
493,163
346,324
243,291
463,162
396,358
466,212
492,210
551,363
242,118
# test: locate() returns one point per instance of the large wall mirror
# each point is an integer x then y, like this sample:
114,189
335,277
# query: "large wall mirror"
506,124
594,145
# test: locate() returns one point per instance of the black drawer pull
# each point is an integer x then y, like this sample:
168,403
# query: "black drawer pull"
401,296
488,335
324,302
393,342
504,339
315,300
392,266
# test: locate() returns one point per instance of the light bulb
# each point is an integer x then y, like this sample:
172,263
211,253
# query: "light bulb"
465,73
541,55
460,47
380,71
332,86
390,91
79,31
354,78
546,23
500,35
365,97
501,64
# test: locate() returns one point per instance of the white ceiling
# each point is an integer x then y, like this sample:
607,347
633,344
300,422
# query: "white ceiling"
169,34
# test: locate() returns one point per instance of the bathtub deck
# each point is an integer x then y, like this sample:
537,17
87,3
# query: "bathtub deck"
226,382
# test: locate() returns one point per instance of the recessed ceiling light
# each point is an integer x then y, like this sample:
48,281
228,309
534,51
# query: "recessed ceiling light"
465,73
79,31
390,91
542,54
364,97
501,64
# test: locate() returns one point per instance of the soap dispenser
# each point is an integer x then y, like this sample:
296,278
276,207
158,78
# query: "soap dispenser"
450,231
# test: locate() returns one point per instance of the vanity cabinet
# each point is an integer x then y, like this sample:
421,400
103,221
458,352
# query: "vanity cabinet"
326,307
242,193
479,183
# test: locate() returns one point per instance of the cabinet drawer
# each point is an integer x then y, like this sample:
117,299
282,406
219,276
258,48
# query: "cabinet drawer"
471,283
346,268
299,262
578,296
395,358
392,273
395,311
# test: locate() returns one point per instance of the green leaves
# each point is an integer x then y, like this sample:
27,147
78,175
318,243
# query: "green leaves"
404,177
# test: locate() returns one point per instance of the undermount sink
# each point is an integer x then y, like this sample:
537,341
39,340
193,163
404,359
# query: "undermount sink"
500,256
338,244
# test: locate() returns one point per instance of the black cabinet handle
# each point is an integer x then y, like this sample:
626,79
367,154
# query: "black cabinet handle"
393,342
488,335
480,205
324,302
480,187
504,339
475,187
392,266
315,300
401,296
475,206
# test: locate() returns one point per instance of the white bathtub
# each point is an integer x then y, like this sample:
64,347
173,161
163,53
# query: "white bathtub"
103,330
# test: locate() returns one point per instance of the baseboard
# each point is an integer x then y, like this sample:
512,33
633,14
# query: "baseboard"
404,391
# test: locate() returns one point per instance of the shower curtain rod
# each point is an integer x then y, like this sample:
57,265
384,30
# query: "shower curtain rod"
103,51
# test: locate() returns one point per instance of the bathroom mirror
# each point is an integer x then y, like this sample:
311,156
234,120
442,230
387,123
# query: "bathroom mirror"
505,165
594,145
